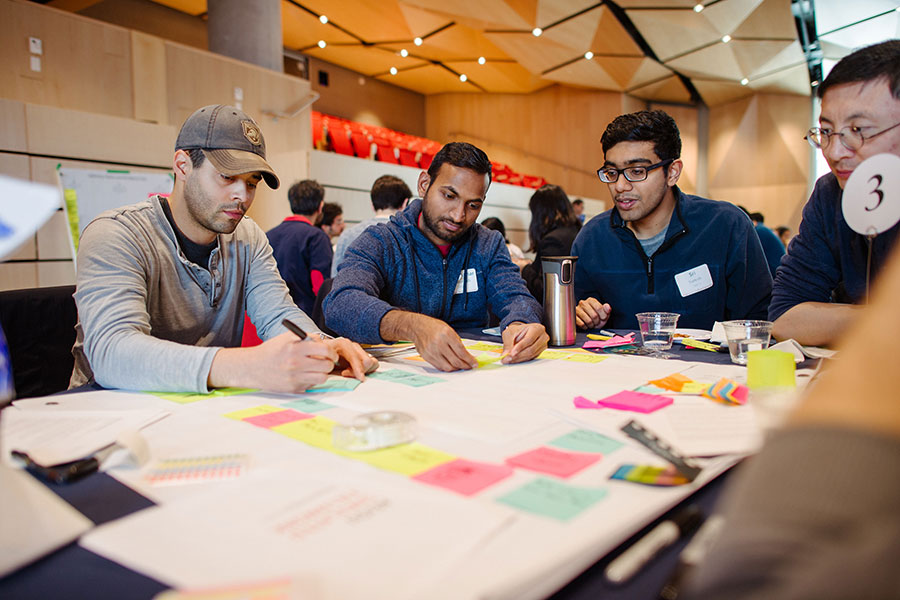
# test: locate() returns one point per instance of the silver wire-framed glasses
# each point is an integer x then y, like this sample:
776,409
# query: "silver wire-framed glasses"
851,137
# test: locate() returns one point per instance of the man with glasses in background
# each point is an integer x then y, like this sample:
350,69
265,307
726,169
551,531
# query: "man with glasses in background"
659,249
820,282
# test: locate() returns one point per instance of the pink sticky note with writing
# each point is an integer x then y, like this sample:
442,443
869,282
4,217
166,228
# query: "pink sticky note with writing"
616,340
636,401
281,417
553,462
582,402
466,477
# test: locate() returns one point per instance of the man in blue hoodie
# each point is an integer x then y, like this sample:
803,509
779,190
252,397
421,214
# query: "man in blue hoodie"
821,283
659,249
431,269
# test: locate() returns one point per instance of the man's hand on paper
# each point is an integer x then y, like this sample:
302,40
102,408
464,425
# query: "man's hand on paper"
591,313
353,360
523,341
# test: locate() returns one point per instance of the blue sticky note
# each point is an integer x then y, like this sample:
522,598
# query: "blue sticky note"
334,384
585,440
405,377
308,405
554,499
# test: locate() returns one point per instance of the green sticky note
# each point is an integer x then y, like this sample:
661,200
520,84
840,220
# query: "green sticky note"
486,361
650,389
334,384
586,358
188,397
585,440
554,499
71,198
308,405
405,377
553,354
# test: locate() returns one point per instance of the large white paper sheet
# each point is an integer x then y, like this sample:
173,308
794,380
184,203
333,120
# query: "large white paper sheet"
347,539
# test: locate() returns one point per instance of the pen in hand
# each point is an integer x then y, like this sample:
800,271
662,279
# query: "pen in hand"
295,329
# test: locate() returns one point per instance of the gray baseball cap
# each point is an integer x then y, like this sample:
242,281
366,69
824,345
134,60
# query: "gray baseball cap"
230,140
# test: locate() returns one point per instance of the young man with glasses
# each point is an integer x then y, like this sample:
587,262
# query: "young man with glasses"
824,277
659,249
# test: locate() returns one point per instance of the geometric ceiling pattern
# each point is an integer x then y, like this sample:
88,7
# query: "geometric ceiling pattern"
660,50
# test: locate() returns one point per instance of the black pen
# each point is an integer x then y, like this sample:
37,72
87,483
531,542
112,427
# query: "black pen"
633,559
61,473
295,329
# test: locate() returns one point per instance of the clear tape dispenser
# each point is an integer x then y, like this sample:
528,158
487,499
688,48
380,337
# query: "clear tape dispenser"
375,430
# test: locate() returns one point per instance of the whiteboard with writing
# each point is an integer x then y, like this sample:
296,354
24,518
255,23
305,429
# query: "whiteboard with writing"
89,192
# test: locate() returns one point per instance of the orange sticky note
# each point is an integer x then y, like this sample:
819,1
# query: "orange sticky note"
673,382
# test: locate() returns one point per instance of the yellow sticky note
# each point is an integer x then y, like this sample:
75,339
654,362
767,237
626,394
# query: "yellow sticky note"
486,347
315,432
487,362
553,354
701,345
587,358
416,357
694,387
188,397
598,337
407,459
240,415
71,199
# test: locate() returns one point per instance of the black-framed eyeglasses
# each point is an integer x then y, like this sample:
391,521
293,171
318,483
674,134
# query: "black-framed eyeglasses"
851,137
632,174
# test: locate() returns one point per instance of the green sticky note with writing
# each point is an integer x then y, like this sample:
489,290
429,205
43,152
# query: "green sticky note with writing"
308,405
585,440
188,397
334,384
554,499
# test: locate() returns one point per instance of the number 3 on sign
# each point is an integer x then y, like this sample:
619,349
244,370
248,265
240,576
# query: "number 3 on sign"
871,201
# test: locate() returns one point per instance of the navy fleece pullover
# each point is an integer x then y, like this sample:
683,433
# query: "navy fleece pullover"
393,265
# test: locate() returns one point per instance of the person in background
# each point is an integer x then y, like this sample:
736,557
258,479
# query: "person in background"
578,207
785,235
515,253
816,514
432,269
771,244
823,279
553,229
389,194
302,250
659,249
332,220
163,285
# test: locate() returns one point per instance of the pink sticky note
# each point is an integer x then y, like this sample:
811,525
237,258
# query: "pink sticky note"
463,476
616,340
582,402
740,394
281,417
553,462
636,401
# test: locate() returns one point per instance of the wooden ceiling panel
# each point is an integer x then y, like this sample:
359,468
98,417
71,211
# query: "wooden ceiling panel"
673,32
666,90
537,54
429,79
302,30
761,57
611,38
657,3
493,13
726,17
368,61
720,92
771,19
577,33
585,73
551,11
422,22
373,22
191,7
501,77
716,61
788,81
633,72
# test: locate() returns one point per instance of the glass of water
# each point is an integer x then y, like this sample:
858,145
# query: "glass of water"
746,335
657,330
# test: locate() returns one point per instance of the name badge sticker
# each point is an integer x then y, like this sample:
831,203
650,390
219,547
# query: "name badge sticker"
694,280
471,284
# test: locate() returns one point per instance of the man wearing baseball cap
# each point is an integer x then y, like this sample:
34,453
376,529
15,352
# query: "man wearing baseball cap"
162,285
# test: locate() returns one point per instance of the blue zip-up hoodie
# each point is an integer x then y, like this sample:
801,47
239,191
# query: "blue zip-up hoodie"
393,265
827,259
612,266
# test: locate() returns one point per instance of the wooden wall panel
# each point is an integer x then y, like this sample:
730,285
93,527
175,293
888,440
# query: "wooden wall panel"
148,67
687,120
758,157
554,132
86,65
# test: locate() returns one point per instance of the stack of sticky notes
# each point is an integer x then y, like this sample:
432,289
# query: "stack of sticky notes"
728,391
649,475
616,340
677,382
